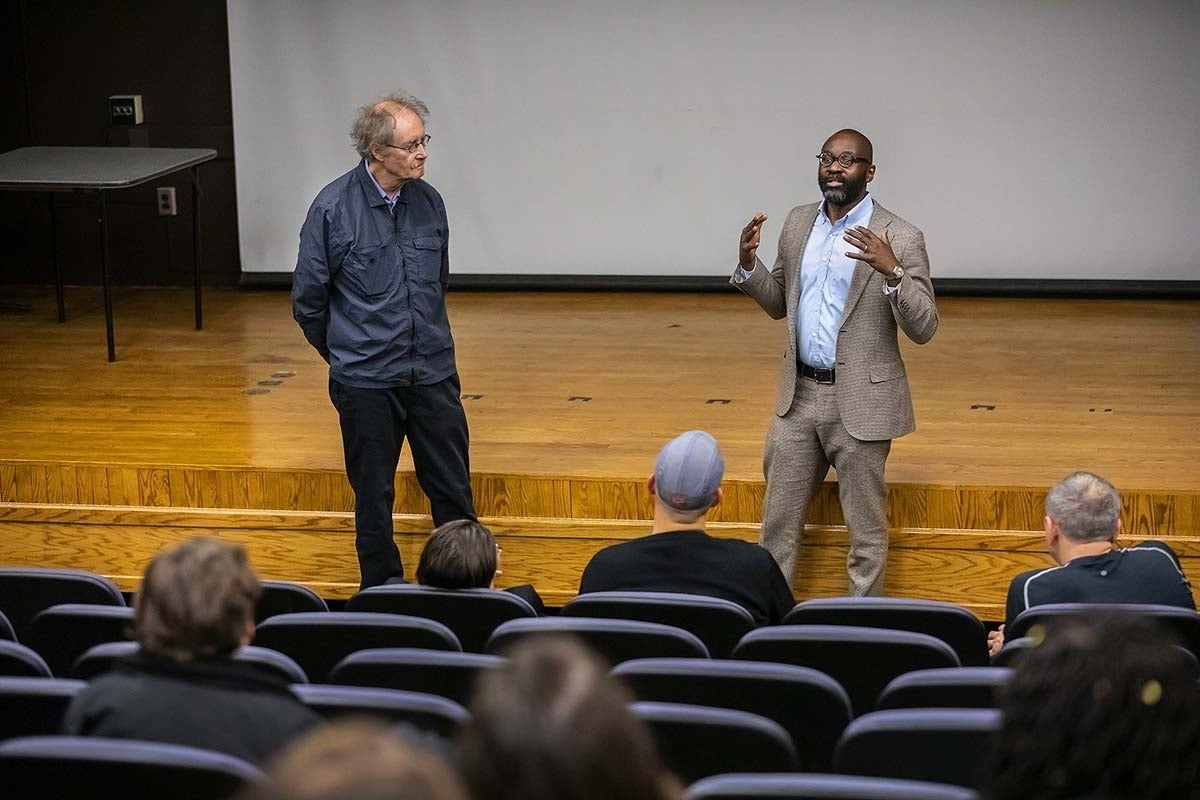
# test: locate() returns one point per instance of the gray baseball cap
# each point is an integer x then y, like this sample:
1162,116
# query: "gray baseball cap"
688,471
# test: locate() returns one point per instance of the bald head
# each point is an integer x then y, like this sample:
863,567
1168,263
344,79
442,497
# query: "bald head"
859,144
1086,507
376,123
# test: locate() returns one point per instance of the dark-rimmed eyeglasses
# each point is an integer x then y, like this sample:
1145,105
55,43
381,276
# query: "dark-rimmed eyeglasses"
847,160
411,147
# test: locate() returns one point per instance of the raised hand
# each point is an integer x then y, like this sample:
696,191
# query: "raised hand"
875,252
750,238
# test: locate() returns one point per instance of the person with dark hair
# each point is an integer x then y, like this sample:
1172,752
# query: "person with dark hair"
358,759
1082,523
1105,708
849,275
194,609
464,554
369,292
679,555
553,724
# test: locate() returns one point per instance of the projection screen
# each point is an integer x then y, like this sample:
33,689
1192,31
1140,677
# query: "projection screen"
636,137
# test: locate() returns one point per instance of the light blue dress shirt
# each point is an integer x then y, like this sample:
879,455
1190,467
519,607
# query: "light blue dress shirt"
391,201
825,275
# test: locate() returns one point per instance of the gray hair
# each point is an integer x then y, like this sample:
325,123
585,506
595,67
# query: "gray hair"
1085,507
374,124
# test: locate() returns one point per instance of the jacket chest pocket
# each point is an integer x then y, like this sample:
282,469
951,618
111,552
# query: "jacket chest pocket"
427,255
368,269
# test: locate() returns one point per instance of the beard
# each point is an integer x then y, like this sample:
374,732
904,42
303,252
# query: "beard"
849,191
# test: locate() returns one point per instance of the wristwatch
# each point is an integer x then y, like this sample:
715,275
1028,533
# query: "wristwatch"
897,272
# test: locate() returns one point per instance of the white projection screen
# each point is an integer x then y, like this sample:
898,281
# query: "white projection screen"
1029,139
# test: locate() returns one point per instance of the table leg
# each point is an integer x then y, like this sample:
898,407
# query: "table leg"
196,244
108,322
58,278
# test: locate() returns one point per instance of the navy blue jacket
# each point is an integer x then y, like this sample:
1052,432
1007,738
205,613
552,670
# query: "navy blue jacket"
369,290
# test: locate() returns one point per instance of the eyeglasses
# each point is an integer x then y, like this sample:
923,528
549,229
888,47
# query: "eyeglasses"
412,146
847,160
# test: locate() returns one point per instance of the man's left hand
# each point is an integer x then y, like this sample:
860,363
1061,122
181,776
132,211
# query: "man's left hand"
875,252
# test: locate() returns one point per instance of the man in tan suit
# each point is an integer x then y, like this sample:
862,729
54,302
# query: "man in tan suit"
849,273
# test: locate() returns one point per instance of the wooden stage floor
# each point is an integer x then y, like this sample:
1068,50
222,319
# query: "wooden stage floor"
569,396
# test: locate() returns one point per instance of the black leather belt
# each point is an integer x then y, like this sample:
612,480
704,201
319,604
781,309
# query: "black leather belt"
818,374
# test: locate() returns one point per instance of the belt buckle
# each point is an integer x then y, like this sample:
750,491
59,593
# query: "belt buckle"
822,375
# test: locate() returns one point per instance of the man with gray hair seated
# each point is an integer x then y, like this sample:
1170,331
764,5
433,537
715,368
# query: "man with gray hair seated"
679,556
1082,522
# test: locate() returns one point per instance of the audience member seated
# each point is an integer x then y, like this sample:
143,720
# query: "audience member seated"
1083,521
1102,708
552,724
678,555
358,760
195,607
463,554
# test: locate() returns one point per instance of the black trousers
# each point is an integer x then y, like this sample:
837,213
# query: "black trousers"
374,424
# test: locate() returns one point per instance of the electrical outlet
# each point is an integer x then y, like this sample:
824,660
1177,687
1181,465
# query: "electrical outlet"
166,201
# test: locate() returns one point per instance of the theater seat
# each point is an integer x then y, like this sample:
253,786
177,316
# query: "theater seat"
964,687
34,706
821,787
862,660
317,641
945,745
809,705
954,625
440,672
719,623
698,741
24,591
616,640
90,767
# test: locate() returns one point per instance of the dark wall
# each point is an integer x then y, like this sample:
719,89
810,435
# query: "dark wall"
61,61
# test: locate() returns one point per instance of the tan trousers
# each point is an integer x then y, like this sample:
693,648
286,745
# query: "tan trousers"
801,446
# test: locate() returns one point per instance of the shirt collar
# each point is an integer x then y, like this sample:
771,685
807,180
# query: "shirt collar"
859,215
389,200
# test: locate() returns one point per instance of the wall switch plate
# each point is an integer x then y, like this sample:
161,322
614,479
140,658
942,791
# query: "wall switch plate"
166,201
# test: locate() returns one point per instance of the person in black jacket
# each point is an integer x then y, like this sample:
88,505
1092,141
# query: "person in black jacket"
679,555
195,607
1083,522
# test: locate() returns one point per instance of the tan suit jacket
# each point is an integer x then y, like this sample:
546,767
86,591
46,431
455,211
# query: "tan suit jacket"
872,386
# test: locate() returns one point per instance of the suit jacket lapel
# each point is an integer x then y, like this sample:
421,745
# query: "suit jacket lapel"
880,219
801,229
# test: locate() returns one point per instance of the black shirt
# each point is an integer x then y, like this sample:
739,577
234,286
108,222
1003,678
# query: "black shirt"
1148,572
693,562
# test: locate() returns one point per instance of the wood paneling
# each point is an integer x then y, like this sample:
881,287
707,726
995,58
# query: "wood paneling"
971,568
1147,513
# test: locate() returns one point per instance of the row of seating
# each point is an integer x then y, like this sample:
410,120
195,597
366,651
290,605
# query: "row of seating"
862,660
810,706
72,766
474,614
695,741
